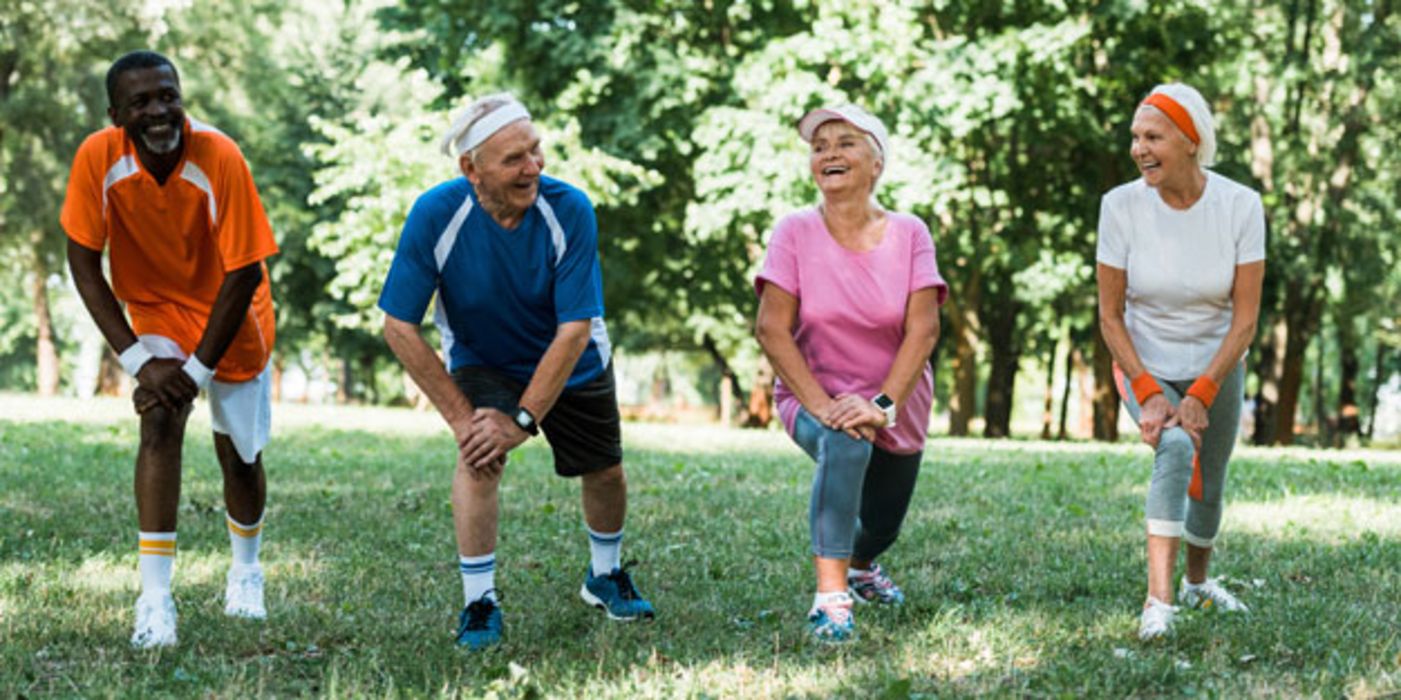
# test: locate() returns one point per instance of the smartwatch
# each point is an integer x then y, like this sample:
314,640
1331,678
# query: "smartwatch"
887,406
526,422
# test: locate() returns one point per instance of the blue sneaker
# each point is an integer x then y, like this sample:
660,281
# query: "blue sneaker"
614,594
832,622
479,626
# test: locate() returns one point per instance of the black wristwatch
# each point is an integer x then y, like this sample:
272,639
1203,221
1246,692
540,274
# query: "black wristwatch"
887,406
525,421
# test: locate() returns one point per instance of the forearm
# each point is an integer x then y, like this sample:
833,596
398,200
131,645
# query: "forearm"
1116,336
427,371
910,361
97,296
793,370
1233,348
228,313
556,365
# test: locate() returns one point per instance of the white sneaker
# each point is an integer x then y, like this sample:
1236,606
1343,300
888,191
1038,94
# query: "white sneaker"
1207,594
244,595
155,620
1156,620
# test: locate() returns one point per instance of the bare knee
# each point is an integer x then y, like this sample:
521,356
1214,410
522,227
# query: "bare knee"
610,478
163,428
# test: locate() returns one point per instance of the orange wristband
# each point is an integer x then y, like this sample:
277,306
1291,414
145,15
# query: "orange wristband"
1144,386
1204,389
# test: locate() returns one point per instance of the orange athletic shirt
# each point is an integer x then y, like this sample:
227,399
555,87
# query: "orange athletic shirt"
171,245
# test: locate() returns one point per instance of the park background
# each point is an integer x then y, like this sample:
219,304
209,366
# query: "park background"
1009,119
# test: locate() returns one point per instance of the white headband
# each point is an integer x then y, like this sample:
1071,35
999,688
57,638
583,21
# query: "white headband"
483,128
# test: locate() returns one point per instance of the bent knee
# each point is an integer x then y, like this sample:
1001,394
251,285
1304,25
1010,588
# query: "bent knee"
161,425
1176,444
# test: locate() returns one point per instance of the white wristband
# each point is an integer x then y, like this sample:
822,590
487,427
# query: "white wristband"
198,372
134,358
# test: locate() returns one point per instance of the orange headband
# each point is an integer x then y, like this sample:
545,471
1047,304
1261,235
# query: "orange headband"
1176,113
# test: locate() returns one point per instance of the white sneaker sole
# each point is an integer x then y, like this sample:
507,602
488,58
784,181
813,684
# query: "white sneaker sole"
597,602
245,612
152,642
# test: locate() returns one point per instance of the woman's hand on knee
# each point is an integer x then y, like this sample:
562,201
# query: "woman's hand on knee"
1192,416
1157,415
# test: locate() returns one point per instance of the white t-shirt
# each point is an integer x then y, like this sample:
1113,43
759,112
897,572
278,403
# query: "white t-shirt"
1181,266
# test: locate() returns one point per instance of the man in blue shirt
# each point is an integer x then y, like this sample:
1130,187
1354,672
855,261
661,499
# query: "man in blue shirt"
512,257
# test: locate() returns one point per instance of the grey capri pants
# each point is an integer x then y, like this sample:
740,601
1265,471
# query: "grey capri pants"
860,493
1170,510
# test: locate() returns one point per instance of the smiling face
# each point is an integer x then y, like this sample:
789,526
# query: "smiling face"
843,159
505,169
147,104
1161,151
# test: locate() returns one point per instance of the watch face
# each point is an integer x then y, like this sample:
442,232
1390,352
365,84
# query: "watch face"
883,402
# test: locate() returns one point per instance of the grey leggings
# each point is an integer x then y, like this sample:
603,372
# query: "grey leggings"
1173,463
854,475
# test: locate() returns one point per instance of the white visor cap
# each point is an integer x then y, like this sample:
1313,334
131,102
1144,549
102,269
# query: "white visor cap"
857,117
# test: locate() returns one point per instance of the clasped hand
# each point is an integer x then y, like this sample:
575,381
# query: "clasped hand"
163,382
853,414
1159,414
485,444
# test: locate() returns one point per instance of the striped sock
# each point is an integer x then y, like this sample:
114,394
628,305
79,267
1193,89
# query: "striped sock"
246,539
478,576
605,550
156,557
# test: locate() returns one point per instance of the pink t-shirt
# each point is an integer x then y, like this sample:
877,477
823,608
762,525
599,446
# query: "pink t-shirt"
851,312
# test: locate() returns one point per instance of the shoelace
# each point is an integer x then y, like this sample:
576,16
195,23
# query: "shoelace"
478,612
623,581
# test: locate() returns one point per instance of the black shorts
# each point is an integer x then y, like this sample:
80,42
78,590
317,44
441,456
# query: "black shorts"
584,429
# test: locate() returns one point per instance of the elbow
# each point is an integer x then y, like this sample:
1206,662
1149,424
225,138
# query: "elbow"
765,333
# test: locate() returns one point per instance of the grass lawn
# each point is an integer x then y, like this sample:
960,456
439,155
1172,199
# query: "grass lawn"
1022,561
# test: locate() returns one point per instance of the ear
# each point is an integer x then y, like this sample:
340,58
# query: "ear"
468,168
112,115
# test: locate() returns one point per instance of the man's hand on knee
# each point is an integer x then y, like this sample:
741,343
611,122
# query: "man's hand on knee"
167,379
494,435
144,399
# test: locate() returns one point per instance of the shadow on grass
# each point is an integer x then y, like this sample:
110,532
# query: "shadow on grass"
1024,572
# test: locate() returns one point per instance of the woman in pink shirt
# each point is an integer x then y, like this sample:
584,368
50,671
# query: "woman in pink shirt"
848,314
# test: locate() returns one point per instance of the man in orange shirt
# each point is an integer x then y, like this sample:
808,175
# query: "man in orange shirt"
173,201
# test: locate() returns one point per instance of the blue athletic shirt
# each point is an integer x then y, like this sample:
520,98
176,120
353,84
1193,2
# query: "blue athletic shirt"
501,294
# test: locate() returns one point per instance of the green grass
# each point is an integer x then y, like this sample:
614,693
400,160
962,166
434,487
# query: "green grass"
1022,561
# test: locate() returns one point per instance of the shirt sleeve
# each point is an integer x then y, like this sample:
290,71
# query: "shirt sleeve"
1112,248
780,262
924,268
1250,240
578,274
413,274
82,215
241,230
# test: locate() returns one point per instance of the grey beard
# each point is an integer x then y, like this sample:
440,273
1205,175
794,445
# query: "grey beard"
162,147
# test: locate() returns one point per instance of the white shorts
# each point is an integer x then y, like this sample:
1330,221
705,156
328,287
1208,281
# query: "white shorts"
242,411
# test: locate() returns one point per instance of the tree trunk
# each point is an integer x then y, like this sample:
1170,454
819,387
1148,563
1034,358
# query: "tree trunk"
1269,368
1106,398
1379,375
761,396
728,379
45,351
1002,377
963,323
1349,413
1301,313
1048,404
1070,354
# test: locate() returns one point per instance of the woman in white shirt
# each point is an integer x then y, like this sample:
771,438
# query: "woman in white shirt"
1181,260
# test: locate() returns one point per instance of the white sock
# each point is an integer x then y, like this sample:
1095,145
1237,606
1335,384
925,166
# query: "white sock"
246,539
156,557
478,576
820,599
605,550
852,572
